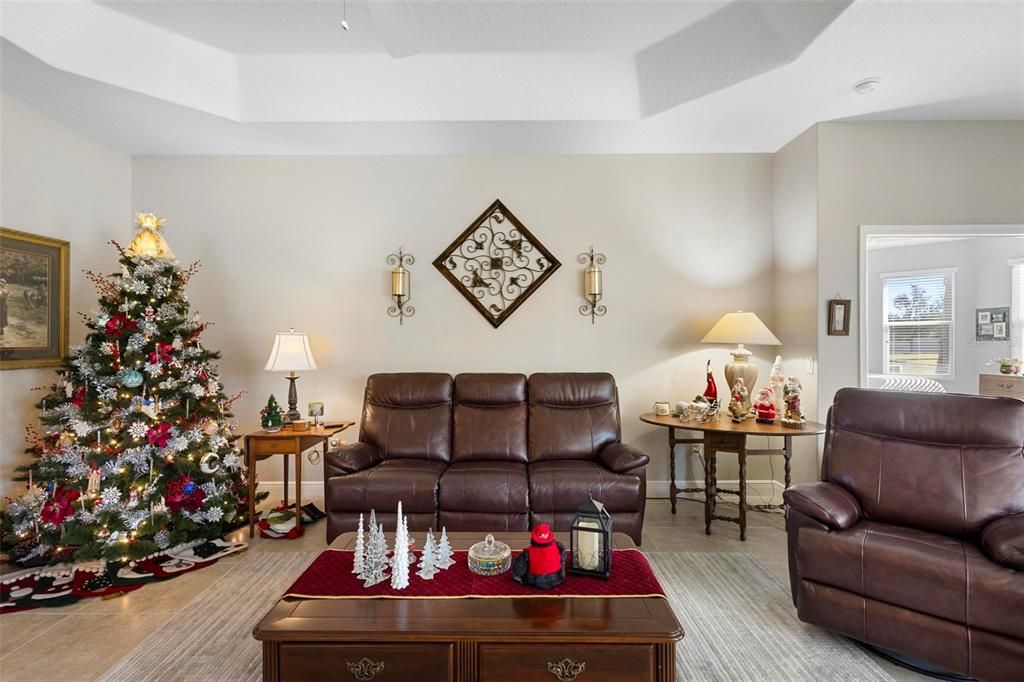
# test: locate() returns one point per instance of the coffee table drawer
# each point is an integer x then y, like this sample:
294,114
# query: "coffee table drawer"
377,662
566,662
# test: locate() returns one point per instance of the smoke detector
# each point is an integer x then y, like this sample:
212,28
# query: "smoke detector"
867,85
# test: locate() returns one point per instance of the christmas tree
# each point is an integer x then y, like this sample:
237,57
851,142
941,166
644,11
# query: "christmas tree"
428,560
444,551
400,559
136,454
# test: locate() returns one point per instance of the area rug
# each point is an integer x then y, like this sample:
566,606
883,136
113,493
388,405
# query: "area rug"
739,622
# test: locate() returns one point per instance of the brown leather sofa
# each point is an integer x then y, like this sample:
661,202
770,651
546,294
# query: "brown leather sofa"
914,539
486,452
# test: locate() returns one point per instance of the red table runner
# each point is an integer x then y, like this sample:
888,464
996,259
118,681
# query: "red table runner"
330,577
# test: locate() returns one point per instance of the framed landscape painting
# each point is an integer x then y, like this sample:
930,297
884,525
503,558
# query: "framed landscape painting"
33,300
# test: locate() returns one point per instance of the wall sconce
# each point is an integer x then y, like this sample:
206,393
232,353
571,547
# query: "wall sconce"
400,285
593,283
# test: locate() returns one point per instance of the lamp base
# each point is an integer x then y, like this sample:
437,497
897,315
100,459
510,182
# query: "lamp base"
293,413
741,368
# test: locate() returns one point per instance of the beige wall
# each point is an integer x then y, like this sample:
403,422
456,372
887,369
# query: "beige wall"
301,242
56,182
796,279
932,173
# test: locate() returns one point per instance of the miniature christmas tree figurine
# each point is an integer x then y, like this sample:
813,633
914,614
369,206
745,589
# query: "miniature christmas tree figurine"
359,557
400,560
412,542
271,417
374,568
444,551
428,560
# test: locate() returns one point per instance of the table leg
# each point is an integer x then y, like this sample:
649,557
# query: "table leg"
298,490
788,454
709,485
743,494
672,490
286,480
250,460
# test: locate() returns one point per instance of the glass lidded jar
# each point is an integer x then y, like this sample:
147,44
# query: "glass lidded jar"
490,557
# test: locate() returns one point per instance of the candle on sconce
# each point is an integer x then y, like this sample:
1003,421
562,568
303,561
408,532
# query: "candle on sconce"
593,281
400,282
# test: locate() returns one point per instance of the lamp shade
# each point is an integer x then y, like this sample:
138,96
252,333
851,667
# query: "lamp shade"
290,353
741,327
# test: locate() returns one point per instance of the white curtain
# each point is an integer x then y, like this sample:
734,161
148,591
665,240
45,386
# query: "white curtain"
1017,309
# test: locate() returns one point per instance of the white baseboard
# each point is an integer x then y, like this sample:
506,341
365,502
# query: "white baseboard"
765,491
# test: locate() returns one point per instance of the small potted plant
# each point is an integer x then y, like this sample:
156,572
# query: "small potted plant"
1008,365
271,417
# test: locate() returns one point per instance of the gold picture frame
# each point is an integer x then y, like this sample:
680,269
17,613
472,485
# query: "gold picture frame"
34,299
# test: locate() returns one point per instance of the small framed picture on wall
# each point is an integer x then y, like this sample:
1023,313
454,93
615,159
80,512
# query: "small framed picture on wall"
839,317
991,324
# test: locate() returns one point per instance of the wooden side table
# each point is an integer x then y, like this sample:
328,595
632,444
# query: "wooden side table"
728,436
262,444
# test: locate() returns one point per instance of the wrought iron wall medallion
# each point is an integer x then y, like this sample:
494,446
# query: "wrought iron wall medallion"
496,263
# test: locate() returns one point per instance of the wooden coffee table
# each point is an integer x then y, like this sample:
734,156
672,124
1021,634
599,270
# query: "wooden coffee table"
470,640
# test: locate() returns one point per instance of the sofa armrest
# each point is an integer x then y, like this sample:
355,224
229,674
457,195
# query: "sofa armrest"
622,458
827,503
1003,541
350,458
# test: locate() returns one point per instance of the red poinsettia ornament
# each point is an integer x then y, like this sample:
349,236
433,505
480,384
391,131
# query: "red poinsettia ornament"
60,506
119,324
183,493
162,353
159,434
79,398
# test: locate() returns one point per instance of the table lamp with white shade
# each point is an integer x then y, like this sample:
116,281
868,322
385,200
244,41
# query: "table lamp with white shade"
741,328
291,353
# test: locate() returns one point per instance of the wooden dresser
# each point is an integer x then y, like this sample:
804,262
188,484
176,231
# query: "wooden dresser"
1004,385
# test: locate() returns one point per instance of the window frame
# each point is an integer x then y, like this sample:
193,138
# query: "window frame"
951,323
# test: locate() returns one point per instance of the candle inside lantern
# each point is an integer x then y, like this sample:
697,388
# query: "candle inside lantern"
400,282
593,284
588,551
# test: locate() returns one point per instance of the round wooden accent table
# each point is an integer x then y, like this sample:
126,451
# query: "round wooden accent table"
728,436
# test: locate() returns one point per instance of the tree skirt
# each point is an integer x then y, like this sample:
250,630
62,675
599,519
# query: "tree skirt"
330,577
63,585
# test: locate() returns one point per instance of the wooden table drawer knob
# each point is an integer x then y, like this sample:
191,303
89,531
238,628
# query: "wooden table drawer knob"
364,669
566,670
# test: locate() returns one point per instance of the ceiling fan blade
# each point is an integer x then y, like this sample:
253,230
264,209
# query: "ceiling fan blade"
396,27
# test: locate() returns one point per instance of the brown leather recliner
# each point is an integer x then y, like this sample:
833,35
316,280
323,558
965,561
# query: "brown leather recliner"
486,452
914,539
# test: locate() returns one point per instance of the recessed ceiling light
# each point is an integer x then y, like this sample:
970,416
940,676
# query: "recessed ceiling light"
867,85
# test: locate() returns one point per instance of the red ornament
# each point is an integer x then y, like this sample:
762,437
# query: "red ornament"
60,506
119,324
159,435
79,399
161,354
183,493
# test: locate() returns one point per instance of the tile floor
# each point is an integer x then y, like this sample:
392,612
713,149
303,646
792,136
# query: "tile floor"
79,642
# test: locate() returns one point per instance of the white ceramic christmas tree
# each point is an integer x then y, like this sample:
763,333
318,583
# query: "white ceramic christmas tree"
359,557
400,559
375,567
428,559
444,551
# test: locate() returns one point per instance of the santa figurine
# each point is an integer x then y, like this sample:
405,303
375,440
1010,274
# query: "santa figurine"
542,564
764,406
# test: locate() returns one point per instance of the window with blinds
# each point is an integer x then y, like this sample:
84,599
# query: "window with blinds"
1017,308
919,324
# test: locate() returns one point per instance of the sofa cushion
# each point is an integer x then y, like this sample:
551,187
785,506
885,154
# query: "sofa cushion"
562,486
414,482
934,574
408,415
572,416
490,418
939,462
485,487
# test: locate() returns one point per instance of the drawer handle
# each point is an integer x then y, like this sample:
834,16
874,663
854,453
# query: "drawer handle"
566,670
365,669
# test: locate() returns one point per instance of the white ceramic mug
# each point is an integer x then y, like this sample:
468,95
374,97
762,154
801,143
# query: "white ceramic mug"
661,409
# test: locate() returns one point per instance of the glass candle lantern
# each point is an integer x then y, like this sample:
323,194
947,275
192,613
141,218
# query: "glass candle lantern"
590,540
